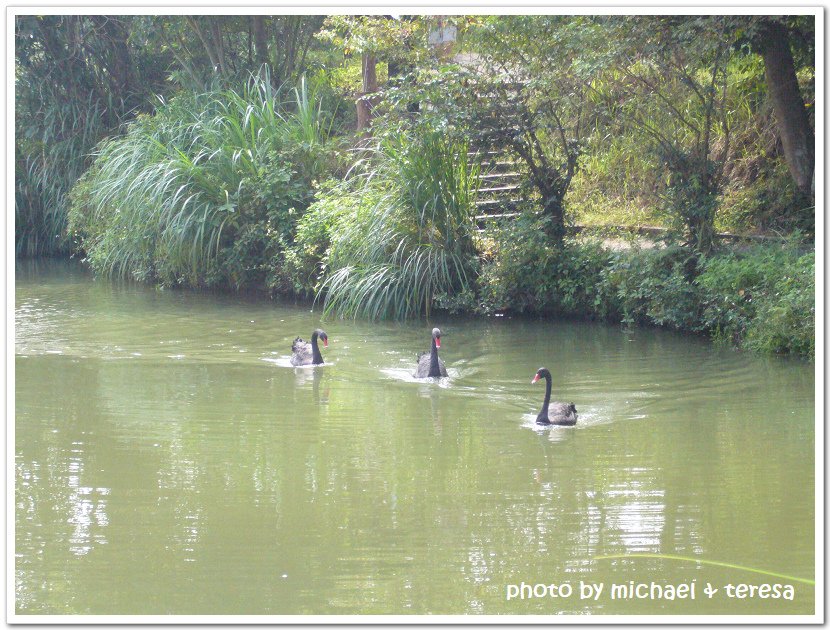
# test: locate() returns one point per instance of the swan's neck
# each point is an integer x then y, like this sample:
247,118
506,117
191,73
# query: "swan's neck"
434,368
543,414
316,357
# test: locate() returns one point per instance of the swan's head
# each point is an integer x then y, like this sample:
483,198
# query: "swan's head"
436,334
321,334
541,373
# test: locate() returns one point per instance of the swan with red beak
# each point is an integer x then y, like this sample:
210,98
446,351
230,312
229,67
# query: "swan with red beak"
558,413
429,364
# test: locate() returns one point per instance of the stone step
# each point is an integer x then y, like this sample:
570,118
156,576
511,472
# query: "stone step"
496,202
497,189
498,164
483,219
498,175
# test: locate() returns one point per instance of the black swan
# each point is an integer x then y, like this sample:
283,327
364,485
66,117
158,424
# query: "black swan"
308,353
558,413
428,362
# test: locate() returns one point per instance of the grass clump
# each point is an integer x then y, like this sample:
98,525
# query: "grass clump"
399,233
51,149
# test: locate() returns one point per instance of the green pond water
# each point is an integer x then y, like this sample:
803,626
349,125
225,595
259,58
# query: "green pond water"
168,460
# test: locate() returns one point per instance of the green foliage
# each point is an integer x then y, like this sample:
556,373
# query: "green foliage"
217,51
399,233
609,119
395,38
617,184
537,110
761,298
205,191
623,180
303,266
785,321
530,273
655,287
76,79
674,87
584,279
765,200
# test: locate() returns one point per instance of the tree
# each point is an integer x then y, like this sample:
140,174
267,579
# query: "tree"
530,97
260,39
400,41
77,78
797,136
231,47
673,85
367,99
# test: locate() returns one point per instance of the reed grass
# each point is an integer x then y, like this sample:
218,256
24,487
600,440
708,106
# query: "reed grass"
410,238
51,149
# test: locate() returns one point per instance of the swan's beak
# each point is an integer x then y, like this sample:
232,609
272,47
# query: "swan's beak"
325,343
535,378
438,342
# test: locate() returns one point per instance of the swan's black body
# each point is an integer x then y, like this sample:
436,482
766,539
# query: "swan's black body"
308,353
429,364
558,413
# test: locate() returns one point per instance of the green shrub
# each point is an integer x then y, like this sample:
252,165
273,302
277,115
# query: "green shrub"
303,265
763,298
785,322
655,286
530,274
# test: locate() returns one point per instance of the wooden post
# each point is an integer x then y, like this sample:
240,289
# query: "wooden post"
370,86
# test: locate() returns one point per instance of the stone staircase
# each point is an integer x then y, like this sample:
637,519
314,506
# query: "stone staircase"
498,193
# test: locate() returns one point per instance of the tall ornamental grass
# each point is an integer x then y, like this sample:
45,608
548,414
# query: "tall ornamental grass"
165,199
401,232
51,151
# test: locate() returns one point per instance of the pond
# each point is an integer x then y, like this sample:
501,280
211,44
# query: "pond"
168,460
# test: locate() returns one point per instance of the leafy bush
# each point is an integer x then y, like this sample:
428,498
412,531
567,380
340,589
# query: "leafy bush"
785,322
582,278
303,266
655,287
207,190
530,274
763,298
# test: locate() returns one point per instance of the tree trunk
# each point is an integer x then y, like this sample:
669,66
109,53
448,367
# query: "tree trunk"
260,40
219,46
797,137
370,85
211,43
